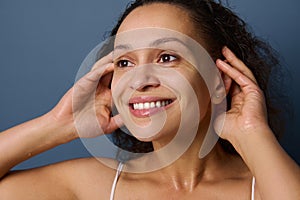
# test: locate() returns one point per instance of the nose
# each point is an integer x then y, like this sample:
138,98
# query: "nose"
144,78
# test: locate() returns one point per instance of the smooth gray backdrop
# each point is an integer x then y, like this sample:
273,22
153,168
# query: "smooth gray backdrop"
43,42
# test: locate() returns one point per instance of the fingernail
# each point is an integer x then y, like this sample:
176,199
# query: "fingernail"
225,48
218,61
221,62
227,52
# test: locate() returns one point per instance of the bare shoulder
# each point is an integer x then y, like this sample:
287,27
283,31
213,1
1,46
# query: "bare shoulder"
89,177
73,179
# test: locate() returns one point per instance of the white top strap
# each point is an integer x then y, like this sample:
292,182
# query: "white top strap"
253,188
113,189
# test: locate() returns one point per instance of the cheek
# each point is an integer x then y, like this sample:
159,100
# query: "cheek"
203,98
201,90
115,79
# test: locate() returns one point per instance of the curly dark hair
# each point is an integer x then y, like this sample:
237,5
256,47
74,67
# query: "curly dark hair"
219,27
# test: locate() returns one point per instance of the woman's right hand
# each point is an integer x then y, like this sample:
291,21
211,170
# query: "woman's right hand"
84,111
86,107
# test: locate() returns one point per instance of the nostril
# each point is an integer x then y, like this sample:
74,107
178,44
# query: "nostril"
143,78
144,81
145,86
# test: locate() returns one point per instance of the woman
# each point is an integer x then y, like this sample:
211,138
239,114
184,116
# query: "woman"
219,175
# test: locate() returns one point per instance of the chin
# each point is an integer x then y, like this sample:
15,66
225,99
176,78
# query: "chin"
162,137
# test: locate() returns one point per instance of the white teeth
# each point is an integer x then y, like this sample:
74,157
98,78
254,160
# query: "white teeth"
152,105
148,105
135,106
158,104
141,106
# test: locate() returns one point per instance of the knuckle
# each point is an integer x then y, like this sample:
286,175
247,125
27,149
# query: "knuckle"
257,91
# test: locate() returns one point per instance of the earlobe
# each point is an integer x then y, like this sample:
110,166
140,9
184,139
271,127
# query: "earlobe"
222,87
218,96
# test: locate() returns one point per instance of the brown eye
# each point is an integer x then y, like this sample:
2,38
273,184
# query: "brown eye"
124,63
167,58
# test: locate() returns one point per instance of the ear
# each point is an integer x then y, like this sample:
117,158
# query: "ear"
222,87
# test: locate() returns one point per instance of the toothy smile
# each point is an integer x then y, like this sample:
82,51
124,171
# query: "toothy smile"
146,106
149,105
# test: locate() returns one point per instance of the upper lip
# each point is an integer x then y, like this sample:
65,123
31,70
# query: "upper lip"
144,99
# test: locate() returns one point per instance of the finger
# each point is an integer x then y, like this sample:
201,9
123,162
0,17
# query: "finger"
102,67
103,61
115,123
88,84
106,77
227,82
241,79
235,89
99,72
237,63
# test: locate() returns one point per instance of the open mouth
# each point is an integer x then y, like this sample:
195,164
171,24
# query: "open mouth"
144,108
150,105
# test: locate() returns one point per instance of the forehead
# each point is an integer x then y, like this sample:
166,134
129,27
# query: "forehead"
152,38
159,15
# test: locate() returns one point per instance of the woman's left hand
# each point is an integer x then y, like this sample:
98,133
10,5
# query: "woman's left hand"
246,128
247,113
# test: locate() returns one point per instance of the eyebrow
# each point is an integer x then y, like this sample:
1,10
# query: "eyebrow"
123,47
152,44
165,40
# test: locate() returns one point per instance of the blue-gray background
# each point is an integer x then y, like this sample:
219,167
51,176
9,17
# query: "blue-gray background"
43,42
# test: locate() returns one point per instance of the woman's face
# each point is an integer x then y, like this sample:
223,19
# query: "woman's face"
149,95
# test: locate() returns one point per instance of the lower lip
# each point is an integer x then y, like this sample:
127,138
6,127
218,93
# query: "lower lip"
148,112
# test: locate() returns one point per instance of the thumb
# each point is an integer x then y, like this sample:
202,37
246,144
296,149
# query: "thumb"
220,125
115,123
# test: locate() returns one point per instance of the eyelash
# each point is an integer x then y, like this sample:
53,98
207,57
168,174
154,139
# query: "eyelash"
126,63
121,62
169,60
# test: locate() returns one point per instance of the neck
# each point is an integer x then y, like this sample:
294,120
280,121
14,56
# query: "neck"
189,170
